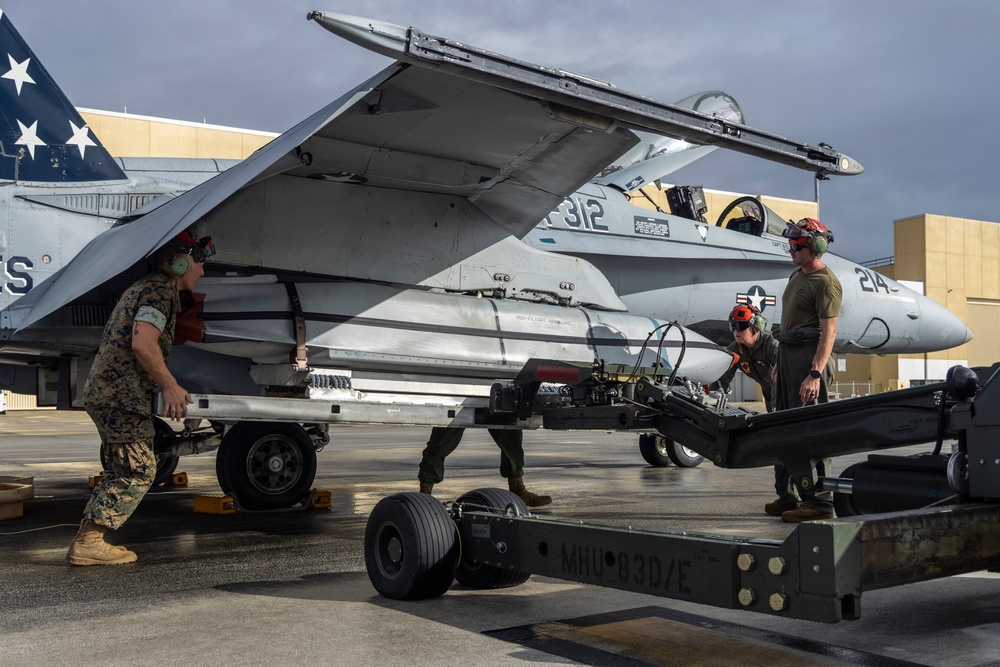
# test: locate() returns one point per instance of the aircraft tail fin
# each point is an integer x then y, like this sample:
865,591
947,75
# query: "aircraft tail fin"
43,139
656,156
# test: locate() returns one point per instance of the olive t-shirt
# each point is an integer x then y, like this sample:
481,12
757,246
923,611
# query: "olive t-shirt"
809,298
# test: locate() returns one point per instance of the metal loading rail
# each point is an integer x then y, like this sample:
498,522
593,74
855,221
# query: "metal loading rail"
796,438
734,438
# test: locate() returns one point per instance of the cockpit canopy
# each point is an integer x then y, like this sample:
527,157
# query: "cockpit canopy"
750,216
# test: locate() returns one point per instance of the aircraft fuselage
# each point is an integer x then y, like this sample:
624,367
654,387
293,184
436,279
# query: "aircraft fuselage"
670,267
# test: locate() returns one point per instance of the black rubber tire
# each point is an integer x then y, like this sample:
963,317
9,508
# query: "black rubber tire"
479,576
165,467
165,464
843,503
265,465
411,547
682,456
653,448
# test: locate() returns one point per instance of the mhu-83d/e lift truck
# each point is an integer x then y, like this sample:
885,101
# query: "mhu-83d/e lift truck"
904,519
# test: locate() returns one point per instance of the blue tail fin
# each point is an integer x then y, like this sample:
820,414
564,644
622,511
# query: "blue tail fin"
42,136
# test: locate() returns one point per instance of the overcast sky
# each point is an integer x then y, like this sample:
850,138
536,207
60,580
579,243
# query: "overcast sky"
909,88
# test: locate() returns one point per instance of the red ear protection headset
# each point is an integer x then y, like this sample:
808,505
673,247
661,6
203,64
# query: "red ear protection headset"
809,233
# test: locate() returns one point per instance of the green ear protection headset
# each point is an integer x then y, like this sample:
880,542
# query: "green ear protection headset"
817,236
192,249
818,244
180,264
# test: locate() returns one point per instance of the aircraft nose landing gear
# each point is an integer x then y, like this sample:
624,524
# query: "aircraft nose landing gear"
266,465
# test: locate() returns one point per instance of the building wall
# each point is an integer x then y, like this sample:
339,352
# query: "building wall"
127,135
956,261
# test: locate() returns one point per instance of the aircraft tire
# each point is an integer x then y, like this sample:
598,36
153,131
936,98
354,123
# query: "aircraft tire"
653,448
474,575
265,465
682,456
411,547
165,463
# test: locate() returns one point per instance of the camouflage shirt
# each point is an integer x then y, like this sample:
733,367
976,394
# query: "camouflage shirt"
116,378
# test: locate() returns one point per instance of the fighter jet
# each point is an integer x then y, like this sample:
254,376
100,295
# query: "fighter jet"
380,236
411,267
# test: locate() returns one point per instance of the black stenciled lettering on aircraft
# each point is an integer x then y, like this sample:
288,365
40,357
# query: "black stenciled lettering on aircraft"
870,281
595,211
578,213
16,269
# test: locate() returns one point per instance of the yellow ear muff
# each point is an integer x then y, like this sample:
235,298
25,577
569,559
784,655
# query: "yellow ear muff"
180,265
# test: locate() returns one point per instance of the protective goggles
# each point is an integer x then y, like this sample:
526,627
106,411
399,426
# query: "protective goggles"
795,247
198,249
740,326
203,249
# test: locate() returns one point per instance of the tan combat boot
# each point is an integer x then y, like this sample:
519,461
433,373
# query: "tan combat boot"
89,548
516,486
426,487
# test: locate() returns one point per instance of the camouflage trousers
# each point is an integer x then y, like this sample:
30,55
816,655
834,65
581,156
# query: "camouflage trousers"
127,448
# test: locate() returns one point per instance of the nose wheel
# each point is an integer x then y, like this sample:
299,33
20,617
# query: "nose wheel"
266,465
659,451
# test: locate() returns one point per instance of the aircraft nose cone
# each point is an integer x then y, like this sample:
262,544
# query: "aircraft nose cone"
940,329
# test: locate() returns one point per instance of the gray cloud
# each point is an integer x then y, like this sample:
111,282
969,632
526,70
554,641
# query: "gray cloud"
904,86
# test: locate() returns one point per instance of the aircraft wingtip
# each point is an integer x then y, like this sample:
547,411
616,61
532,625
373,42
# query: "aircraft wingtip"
387,39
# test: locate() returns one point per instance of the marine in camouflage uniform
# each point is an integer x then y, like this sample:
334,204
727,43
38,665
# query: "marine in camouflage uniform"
130,363
118,397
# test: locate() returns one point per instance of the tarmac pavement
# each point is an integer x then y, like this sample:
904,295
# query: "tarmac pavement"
290,587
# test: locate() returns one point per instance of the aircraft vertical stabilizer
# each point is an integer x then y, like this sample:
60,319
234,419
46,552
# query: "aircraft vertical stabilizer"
43,139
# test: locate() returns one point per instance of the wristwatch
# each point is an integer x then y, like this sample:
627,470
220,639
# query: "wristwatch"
813,373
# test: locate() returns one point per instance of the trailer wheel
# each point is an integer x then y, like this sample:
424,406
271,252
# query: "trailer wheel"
653,448
682,456
166,464
843,503
266,465
411,547
474,575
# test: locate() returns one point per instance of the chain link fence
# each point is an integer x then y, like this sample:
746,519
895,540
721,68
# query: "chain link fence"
851,389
